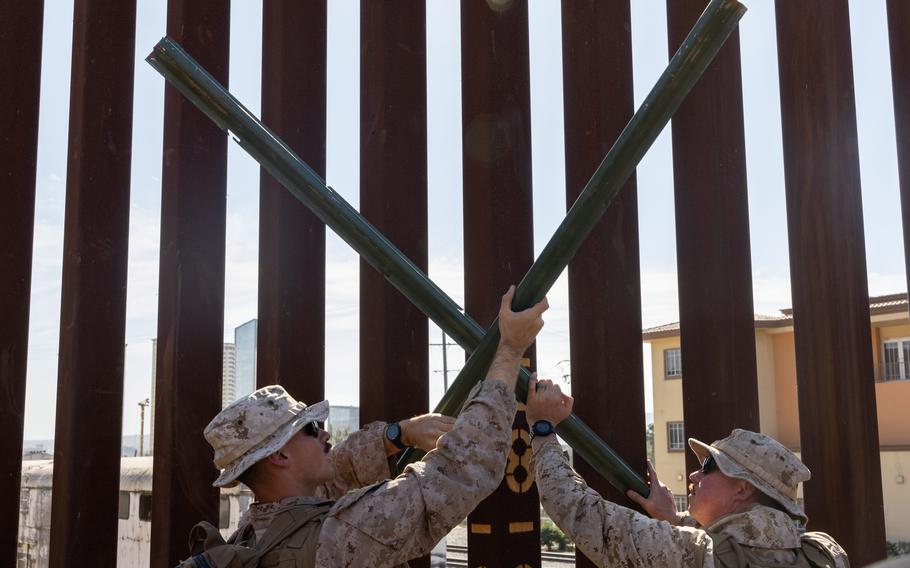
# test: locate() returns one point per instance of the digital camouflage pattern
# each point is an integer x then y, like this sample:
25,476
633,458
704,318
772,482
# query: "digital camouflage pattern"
387,524
762,461
359,460
612,535
768,535
609,534
254,427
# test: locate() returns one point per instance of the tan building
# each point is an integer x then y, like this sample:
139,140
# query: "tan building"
778,410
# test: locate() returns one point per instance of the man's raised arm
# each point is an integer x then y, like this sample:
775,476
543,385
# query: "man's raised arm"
517,332
404,518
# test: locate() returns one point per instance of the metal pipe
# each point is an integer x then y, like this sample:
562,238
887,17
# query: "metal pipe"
700,47
706,38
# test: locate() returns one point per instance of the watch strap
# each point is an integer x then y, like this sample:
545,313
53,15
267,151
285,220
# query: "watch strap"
393,434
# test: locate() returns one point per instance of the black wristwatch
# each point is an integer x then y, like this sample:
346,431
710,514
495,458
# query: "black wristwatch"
393,434
542,428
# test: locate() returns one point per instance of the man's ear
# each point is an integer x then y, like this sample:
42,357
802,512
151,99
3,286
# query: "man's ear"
278,458
745,491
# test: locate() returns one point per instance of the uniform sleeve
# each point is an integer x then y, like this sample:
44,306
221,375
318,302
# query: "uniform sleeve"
609,534
405,517
359,460
686,520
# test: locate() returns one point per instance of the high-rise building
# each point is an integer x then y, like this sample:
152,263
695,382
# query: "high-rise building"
228,375
245,353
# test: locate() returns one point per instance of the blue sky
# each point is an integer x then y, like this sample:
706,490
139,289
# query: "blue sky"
770,262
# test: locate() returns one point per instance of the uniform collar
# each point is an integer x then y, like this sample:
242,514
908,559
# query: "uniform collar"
759,527
260,515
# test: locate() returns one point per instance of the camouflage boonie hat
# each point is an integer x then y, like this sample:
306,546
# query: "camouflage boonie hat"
762,461
255,427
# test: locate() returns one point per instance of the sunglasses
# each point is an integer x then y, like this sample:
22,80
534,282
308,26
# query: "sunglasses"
311,429
708,465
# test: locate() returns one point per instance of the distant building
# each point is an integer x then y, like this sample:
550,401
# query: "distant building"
245,369
134,512
778,410
228,374
37,454
343,420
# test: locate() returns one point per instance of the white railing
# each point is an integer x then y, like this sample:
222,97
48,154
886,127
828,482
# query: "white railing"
895,371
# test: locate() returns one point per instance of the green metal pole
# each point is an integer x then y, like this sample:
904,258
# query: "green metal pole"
195,83
281,162
708,35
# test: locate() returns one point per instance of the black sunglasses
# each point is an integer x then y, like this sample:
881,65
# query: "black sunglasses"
311,429
708,465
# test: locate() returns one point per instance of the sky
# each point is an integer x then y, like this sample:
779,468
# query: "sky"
770,263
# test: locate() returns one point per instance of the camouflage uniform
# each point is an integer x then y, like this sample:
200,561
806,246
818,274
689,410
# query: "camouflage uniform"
612,535
405,517
359,460
383,524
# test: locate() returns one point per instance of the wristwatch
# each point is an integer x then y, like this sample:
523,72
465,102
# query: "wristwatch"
542,428
393,434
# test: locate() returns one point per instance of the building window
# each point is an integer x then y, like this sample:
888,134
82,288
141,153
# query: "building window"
682,503
145,507
123,507
896,360
672,363
676,437
224,513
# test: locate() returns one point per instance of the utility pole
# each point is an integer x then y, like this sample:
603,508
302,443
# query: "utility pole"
142,405
445,366
566,375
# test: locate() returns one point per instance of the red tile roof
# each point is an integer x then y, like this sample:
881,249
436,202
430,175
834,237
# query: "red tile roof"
889,304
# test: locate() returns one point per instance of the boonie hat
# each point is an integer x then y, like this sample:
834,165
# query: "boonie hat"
762,461
256,426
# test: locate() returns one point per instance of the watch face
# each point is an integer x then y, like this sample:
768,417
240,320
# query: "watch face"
393,432
542,428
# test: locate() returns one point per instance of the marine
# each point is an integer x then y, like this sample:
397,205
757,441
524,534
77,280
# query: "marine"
743,507
304,515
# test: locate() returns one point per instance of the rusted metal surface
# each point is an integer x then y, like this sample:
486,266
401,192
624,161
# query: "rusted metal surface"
291,342
21,27
720,388
604,277
838,429
718,21
498,239
93,304
898,26
394,361
393,197
191,291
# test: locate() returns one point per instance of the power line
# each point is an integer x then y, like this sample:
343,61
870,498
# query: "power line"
445,365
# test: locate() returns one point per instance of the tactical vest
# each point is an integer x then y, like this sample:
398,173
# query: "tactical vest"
290,541
817,550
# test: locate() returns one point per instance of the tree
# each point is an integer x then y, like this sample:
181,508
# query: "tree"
551,536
